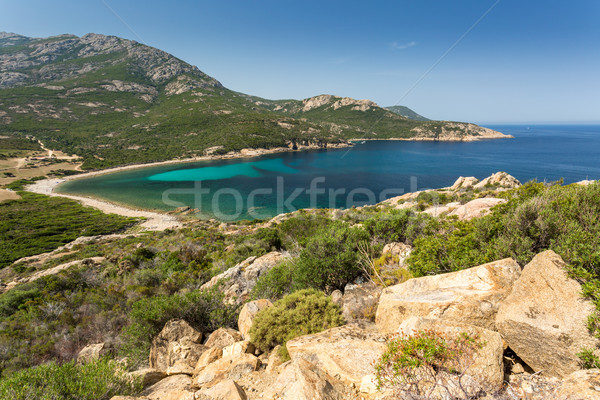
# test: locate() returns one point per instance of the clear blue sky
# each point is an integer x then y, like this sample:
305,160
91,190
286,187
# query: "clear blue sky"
526,61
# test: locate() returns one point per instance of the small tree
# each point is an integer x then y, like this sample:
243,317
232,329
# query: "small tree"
429,365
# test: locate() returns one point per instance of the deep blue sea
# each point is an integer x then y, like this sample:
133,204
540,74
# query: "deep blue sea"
366,173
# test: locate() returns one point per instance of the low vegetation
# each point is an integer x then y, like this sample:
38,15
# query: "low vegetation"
300,313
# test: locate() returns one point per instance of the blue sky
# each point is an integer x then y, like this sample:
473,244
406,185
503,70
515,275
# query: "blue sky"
526,61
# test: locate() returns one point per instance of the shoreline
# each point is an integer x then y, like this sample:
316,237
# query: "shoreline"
156,221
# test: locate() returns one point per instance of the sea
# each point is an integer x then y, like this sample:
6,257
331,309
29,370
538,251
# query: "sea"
367,173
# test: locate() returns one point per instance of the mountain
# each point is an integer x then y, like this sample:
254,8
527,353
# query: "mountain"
114,101
407,112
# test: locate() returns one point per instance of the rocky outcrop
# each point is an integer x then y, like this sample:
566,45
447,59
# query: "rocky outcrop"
223,337
348,352
302,380
544,319
239,280
225,390
148,376
359,302
487,364
248,313
464,183
232,367
476,208
470,296
176,387
177,348
93,352
581,385
498,180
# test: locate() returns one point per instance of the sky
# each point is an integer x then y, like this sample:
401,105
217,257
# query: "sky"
482,61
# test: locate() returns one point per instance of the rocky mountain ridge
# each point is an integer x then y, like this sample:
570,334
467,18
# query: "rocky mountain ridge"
114,101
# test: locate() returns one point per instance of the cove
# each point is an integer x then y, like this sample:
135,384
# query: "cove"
365,174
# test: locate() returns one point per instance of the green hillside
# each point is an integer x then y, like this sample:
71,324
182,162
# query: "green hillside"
407,112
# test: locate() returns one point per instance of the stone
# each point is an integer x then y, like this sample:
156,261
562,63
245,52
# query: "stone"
223,337
476,208
397,249
499,179
148,376
274,360
487,363
239,280
581,385
360,301
93,352
347,352
209,356
233,367
470,296
302,380
225,390
336,297
175,387
544,319
177,348
464,183
368,384
240,347
248,313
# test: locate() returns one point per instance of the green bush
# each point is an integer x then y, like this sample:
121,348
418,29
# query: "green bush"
416,366
97,380
204,310
276,283
297,314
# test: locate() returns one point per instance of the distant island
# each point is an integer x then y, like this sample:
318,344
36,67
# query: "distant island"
112,101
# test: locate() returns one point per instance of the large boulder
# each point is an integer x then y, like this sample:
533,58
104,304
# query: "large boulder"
177,348
470,296
498,180
581,385
148,376
232,367
348,352
464,182
302,380
360,301
175,387
93,352
223,337
544,319
476,208
248,313
239,280
225,390
487,363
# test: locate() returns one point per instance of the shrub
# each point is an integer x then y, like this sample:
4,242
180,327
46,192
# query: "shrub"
97,380
297,314
427,364
296,231
276,283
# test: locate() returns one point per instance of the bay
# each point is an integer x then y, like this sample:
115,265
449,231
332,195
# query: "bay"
364,174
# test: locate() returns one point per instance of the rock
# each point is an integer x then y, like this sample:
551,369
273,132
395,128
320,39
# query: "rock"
232,367
348,352
93,352
487,363
302,380
247,314
226,390
397,249
581,385
177,348
209,356
274,360
476,208
175,387
368,384
238,281
148,376
336,297
544,319
241,347
360,301
223,337
471,296
499,179
464,183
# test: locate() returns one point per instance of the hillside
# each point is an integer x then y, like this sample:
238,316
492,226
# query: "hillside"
407,112
114,101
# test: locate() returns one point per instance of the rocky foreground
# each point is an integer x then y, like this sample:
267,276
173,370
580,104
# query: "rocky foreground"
532,323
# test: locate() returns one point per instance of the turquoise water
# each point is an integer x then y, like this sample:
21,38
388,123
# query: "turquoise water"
365,174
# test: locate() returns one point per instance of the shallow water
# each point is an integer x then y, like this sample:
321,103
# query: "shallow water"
367,173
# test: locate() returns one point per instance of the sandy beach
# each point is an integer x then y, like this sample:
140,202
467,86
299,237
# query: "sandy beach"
156,221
